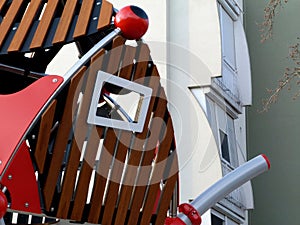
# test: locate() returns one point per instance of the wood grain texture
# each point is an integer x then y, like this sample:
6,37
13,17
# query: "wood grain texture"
2,3
105,14
9,19
83,18
44,24
65,22
158,171
44,136
61,141
24,26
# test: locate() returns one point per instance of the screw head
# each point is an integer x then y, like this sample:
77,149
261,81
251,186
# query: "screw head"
54,80
9,177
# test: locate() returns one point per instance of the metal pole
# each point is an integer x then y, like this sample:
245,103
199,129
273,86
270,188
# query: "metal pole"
228,183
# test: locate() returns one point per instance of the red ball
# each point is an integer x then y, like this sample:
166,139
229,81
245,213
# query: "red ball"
3,204
133,22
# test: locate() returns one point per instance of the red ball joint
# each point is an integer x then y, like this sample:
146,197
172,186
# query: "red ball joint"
3,204
191,213
133,22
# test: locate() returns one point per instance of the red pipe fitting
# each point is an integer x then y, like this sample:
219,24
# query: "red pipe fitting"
191,213
187,210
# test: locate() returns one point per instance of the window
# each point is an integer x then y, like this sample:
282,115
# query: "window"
216,220
228,42
229,64
224,146
222,125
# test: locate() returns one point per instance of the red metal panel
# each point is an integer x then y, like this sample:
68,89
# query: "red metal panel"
20,181
18,111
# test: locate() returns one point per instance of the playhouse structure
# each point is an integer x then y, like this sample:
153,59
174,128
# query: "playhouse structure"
97,144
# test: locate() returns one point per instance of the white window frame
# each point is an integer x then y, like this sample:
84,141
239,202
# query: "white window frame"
227,219
217,123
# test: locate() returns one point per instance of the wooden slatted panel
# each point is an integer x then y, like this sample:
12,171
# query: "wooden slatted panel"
81,132
124,140
93,141
44,136
83,18
109,146
162,155
135,155
61,140
65,22
120,155
105,14
110,141
44,24
24,26
8,20
88,163
99,183
140,190
81,129
167,192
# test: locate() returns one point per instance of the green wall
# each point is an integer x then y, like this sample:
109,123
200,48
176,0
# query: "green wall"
276,132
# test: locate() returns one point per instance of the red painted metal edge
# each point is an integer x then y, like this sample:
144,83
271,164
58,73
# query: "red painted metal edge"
17,112
267,160
20,181
174,221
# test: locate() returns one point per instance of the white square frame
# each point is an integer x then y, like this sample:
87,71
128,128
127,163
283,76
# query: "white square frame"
103,77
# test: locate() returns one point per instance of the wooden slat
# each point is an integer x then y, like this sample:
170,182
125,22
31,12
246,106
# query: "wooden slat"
115,55
80,134
61,140
105,14
133,162
24,26
81,129
44,24
165,197
8,20
127,62
88,163
142,62
83,18
102,171
123,143
69,179
44,136
143,179
2,2
65,22
162,155
81,191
